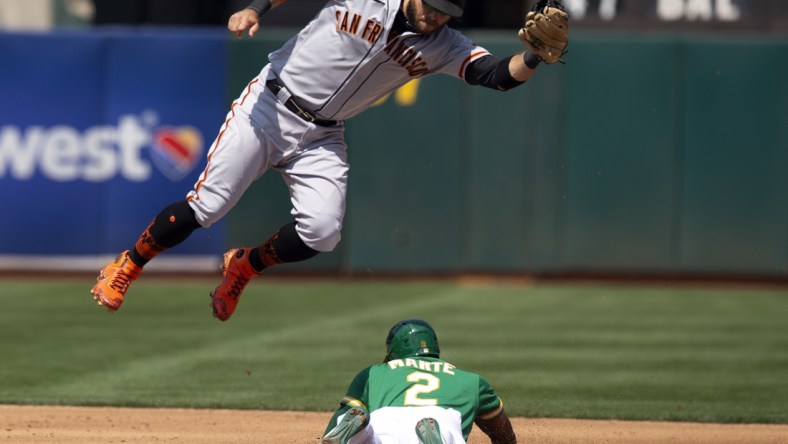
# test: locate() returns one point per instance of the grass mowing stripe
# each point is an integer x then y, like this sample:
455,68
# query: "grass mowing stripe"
223,349
698,347
585,350
135,358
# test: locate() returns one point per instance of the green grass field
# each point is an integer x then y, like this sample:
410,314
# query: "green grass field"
576,350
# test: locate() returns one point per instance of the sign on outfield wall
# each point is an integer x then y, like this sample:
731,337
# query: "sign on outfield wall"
707,16
667,15
99,131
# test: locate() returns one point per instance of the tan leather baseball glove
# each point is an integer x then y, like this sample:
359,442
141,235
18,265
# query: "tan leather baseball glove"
546,30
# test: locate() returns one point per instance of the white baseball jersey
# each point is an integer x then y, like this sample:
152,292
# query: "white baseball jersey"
341,63
346,59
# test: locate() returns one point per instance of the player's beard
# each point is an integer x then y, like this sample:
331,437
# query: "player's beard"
422,22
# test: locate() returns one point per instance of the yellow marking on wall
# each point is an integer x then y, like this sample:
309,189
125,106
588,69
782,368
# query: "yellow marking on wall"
405,95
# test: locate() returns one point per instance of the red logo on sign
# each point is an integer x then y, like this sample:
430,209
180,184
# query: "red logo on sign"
176,150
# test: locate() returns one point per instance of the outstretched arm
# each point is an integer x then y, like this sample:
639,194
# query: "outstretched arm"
545,36
333,421
522,66
501,74
249,17
498,428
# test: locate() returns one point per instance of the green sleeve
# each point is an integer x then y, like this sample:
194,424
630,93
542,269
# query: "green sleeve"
356,395
357,392
490,404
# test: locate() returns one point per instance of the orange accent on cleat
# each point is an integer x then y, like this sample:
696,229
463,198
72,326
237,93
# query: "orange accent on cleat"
237,272
114,280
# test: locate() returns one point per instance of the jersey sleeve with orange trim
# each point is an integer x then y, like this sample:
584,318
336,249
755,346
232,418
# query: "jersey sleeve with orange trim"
463,51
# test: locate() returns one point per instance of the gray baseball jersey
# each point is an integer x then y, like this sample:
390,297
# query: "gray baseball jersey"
341,63
345,59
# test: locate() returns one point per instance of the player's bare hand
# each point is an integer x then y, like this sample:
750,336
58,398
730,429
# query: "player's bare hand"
244,20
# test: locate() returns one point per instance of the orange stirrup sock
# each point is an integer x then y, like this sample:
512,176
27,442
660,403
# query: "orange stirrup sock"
146,247
284,246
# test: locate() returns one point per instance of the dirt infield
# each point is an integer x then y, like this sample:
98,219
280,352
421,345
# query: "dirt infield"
88,425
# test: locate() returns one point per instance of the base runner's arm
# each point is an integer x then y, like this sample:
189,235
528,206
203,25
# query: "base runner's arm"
249,17
333,421
498,428
354,397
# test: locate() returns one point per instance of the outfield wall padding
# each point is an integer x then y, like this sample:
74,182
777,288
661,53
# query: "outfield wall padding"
643,154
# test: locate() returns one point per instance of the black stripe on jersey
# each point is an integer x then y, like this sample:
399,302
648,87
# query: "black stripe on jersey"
368,76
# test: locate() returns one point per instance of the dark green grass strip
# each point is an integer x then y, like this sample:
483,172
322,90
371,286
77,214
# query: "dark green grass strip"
579,350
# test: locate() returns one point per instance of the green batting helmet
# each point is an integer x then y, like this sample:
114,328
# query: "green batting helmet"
411,337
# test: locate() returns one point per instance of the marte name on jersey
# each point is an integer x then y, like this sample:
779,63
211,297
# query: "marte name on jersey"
430,366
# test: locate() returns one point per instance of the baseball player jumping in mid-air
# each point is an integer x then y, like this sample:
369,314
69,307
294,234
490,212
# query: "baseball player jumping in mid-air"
291,118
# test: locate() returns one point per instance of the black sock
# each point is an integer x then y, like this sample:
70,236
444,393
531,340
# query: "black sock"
170,227
283,247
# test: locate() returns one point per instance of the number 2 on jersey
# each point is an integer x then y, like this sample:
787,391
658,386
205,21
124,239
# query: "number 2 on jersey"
424,384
